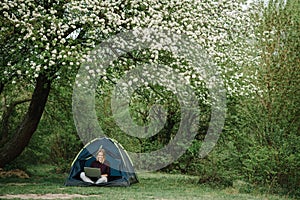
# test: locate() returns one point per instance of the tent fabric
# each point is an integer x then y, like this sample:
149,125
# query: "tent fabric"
121,168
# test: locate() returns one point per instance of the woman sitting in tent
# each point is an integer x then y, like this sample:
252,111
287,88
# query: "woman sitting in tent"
101,163
121,171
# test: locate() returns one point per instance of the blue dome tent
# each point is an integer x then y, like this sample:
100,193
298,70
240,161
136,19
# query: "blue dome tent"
122,171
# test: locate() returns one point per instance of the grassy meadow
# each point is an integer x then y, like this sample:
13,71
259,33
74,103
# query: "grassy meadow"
45,183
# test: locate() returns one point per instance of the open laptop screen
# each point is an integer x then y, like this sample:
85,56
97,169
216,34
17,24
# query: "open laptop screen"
92,172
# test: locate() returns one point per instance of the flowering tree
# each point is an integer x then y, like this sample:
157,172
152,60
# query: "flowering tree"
44,42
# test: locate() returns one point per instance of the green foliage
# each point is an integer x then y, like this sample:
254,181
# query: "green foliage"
63,147
61,138
265,128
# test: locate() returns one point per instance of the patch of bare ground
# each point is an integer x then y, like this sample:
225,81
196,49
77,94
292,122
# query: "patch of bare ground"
46,196
15,172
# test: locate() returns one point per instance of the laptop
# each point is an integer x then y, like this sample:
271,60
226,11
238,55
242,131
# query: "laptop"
92,172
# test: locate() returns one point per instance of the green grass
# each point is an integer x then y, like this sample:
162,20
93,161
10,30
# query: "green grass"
151,186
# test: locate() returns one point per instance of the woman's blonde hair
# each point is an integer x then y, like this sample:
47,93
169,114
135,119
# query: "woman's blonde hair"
103,151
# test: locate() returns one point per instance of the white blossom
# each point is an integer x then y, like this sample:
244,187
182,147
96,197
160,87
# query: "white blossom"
217,26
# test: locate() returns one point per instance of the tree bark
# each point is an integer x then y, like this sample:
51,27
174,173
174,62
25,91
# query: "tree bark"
16,144
1,87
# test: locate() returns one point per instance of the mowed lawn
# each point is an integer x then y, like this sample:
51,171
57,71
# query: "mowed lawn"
44,183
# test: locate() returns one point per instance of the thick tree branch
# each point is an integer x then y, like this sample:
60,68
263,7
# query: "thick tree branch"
5,119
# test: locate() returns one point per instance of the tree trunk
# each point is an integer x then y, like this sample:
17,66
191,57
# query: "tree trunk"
1,87
16,144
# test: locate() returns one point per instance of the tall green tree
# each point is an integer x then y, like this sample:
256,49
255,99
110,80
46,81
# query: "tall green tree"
271,118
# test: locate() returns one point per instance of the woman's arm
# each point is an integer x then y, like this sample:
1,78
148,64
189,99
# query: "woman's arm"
106,171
